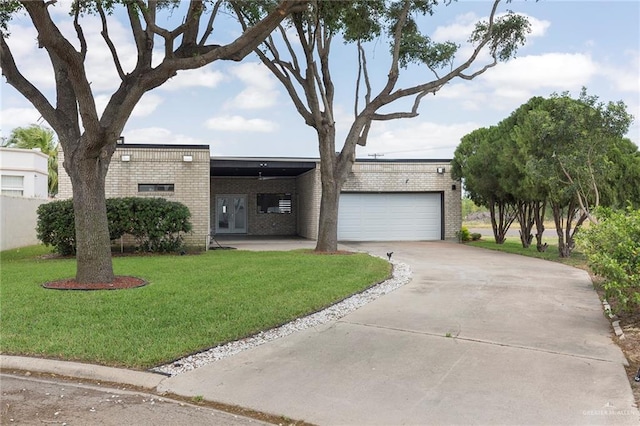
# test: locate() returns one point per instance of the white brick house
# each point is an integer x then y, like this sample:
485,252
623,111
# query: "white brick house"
381,200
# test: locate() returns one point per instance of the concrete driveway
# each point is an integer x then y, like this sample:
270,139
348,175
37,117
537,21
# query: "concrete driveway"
477,337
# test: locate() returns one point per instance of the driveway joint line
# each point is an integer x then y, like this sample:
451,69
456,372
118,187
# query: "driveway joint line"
486,342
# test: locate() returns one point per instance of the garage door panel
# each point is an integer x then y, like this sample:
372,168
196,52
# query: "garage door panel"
391,216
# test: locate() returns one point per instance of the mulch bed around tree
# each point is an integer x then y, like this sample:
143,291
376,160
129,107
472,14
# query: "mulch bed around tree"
120,283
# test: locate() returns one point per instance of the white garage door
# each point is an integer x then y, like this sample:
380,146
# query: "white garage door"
390,217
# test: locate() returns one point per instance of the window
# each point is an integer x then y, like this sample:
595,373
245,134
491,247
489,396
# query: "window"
155,187
274,203
12,185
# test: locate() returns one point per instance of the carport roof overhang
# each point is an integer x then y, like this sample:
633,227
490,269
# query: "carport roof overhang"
253,167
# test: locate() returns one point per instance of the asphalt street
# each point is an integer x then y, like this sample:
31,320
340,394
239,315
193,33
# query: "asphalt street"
30,400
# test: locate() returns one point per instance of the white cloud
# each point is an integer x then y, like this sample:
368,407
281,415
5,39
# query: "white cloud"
562,71
415,139
254,74
253,98
201,77
236,123
159,135
624,77
10,118
538,27
147,105
460,30
261,87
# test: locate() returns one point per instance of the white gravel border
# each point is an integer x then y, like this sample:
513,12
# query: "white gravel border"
401,276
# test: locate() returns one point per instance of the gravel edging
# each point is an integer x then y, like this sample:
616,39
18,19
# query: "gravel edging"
401,275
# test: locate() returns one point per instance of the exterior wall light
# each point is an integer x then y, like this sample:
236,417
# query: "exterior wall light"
187,158
440,170
125,158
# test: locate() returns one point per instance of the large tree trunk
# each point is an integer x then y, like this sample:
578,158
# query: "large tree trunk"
501,219
93,245
564,249
328,222
539,210
565,228
334,170
525,216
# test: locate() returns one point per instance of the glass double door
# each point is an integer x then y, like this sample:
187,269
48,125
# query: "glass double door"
231,214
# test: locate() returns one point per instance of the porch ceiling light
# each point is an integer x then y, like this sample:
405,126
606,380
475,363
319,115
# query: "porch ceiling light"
187,158
125,158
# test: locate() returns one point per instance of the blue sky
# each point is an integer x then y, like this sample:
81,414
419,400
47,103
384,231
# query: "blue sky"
239,109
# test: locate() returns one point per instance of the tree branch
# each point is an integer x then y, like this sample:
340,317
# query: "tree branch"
107,39
209,29
80,33
25,87
60,49
286,81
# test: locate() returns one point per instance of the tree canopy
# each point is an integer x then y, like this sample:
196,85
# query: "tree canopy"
570,153
88,136
299,56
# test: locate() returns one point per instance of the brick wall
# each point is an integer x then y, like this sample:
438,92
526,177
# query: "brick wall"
411,177
259,223
154,165
198,191
309,194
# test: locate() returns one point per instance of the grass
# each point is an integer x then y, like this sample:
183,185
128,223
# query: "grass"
191,303
513,245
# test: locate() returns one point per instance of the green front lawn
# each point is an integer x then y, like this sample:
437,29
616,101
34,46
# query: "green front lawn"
191,302
513,245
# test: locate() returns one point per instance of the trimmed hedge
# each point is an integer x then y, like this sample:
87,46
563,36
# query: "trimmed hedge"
157,225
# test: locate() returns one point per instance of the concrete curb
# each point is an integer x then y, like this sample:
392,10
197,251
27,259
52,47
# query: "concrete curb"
83,371
615,324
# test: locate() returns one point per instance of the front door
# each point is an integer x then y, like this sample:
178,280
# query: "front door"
231,214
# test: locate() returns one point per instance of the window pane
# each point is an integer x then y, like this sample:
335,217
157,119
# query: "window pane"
12,185
14,182
155,187
274,203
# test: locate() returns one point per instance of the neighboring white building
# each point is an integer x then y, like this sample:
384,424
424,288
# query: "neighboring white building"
23,183
24,173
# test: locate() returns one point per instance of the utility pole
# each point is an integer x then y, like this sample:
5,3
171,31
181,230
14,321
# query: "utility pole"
375,155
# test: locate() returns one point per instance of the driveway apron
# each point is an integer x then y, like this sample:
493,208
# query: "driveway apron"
476,337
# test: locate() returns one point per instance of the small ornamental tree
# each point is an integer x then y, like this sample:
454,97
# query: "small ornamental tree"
476,162
568,142
612,247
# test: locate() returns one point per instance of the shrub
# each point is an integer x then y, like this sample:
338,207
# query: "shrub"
612,248
463,234
155,223
475,236
56,226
